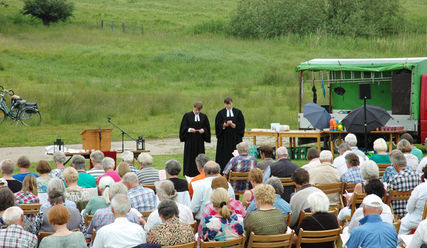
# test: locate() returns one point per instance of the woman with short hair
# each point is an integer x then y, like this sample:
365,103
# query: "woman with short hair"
224,225
74,192
122,169
7,168
406,148
43,168
7,199
173,168
58,217
172,231
255,178
381,157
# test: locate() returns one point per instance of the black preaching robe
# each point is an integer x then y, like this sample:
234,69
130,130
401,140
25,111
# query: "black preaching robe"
194,143
228,138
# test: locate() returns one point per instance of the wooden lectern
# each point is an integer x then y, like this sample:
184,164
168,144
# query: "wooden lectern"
97,139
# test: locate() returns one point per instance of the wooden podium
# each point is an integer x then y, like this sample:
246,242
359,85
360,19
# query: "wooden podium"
97,139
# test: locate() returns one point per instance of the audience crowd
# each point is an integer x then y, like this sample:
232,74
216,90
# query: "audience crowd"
127,205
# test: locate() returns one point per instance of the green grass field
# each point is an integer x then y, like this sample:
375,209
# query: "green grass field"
80,74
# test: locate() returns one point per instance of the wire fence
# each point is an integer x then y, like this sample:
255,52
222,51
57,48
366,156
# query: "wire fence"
120,26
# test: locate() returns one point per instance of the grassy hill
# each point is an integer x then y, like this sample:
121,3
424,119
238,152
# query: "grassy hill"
81,74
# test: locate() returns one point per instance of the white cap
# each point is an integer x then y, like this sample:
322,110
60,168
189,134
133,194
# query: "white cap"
372,201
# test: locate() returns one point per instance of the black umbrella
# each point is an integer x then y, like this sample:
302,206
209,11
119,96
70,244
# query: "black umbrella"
375,117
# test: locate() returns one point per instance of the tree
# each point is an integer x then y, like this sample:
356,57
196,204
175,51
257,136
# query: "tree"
48,10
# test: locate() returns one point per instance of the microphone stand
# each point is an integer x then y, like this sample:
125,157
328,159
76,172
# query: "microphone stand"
123,133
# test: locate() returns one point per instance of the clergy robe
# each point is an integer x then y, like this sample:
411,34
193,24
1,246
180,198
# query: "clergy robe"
228,138
194,143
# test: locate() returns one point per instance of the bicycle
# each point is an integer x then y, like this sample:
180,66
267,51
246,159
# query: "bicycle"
20,110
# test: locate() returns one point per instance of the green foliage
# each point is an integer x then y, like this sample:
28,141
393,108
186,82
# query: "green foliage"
48,10
274,18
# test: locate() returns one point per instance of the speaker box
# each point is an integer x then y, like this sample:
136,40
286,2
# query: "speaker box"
364,91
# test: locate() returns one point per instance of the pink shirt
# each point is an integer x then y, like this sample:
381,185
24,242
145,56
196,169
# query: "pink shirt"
113,175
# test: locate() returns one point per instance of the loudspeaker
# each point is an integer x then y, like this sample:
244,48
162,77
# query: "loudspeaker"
364,91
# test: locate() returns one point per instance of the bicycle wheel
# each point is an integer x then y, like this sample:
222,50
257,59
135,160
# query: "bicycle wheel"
2,116
30,117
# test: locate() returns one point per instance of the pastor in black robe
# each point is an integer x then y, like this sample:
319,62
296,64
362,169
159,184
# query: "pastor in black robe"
228,137
194,143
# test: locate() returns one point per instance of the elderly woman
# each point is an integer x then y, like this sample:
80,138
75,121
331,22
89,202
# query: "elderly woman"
415,208
59,158
255,178
171,231
103,198
74,192
7,199
58,217
411,160
381,157
28,193
56,193
108,164
7,167
321,220
165,191
224,225
122,169
43,168
147,175
173,168
266,219
279,203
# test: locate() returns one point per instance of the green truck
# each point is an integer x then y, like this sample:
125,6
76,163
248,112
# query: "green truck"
399,85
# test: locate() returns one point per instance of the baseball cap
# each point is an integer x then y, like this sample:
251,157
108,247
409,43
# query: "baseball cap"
372,201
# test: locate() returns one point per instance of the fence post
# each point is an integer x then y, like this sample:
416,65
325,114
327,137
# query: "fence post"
112,25
102,23
142,28
123,26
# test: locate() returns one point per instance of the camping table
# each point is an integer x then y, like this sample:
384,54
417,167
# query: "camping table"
262,132
392,134
293,134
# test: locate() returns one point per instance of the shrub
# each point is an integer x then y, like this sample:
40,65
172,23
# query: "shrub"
48,10
273,18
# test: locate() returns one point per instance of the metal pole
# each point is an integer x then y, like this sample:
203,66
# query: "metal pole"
365,126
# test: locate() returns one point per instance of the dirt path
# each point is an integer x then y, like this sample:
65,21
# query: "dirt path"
164,146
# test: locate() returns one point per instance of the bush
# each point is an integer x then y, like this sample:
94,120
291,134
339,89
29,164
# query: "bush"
273,18
48,10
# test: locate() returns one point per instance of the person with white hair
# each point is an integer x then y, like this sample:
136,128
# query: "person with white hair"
7,168
373,232
142,199
326,174
351,139
340,163
381,156
14,236
420,238
108,164
78,162
96,158
105,216
147,174
321,220
59,159
165,191
411,160
128,157
242,163
103,198
283,167
121,233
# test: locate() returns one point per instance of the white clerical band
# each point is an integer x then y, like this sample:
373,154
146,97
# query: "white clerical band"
230,113
196,118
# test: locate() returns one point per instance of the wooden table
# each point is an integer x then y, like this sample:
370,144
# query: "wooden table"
293,134
262,132
392,134
87,154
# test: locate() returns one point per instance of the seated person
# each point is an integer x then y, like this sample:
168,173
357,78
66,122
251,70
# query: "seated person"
122,169
7,200
103,198
312,156
381,157
173,168
43,168
7,167
14,236
321,220
58,217
352,175
255,178
266,220
147,174
28,193
411,160
108,164
266,153
86,180
73,192
23,166
171,231
420,237
224,225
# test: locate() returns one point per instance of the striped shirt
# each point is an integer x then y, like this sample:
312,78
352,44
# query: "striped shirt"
147,175
96,172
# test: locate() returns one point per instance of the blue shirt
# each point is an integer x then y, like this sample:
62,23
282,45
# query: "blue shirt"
373,233
388,173
279,203
352,175
20,176
86,180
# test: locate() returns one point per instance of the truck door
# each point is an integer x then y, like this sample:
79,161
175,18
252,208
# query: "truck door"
423,108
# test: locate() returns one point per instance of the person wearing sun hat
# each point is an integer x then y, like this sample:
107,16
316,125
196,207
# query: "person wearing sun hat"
373,232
